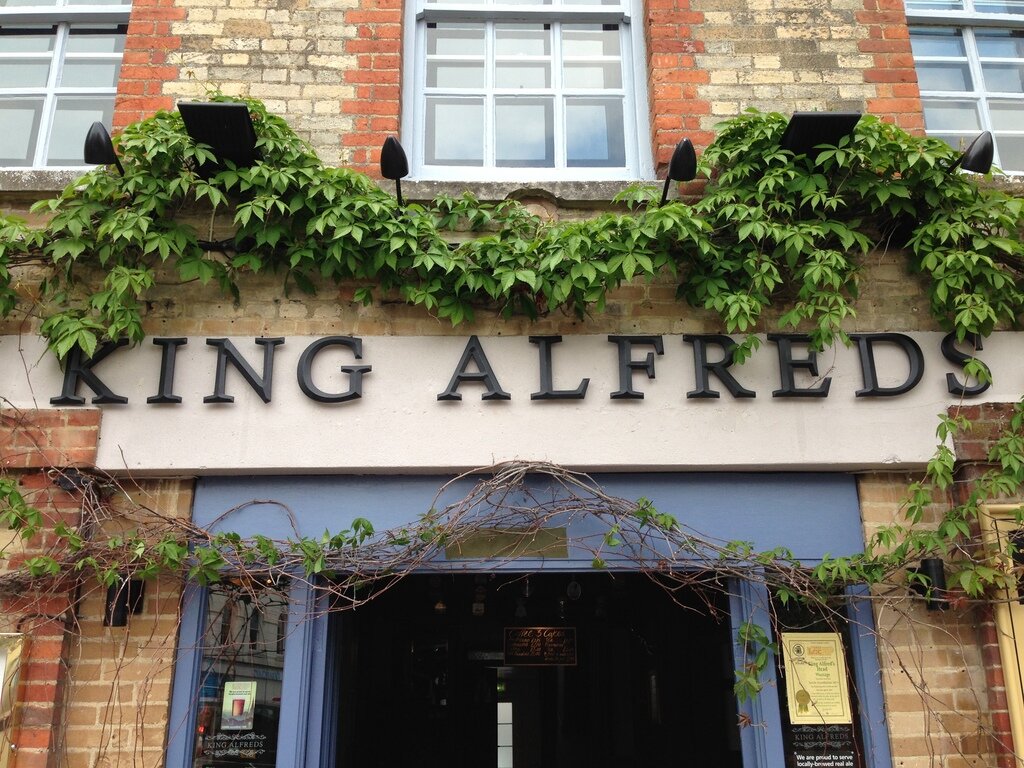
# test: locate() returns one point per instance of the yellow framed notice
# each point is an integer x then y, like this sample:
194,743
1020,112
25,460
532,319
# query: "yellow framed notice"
816,685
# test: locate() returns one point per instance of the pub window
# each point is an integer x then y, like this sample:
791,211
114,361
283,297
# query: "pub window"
817,695
59,67
969,56
526,89
241,674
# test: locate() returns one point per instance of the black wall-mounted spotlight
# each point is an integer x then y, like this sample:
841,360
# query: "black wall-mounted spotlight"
977,158
124,597
933,588
394,164
226,127
682,166
99,149
807,130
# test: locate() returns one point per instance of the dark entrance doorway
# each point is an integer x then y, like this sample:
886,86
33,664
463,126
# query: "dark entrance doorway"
425,680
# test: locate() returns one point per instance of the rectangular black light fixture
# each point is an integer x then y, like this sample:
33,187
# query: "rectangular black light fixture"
225,127
807,130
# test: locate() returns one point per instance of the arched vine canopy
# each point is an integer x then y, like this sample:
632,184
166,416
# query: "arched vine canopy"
770,230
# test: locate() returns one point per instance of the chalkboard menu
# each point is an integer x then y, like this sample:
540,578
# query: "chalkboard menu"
540,646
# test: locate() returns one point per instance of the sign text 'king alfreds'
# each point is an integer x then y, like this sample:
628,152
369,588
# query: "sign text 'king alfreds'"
714,369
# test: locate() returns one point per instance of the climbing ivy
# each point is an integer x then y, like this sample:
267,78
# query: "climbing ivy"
769,229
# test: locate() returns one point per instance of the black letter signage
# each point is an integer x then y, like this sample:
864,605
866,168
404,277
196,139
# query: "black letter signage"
866,345
76,368
954,355
474,353
627,364
166,386
547,387
701,366
787,365
227,353
355,372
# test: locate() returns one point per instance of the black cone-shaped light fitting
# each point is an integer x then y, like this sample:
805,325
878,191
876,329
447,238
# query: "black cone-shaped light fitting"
977,158
394,164
682,166
99,149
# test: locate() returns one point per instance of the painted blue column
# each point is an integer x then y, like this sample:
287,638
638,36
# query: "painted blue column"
185,688
761,736
867,676
293,732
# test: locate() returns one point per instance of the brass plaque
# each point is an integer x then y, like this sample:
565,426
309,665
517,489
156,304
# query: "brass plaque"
510,543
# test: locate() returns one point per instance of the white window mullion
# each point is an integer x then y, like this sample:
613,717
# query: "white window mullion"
490,75
50,102
558,89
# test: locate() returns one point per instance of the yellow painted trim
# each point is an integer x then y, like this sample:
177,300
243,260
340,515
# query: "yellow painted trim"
1009,616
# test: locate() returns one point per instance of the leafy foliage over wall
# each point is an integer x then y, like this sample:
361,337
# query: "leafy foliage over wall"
770,229
770,225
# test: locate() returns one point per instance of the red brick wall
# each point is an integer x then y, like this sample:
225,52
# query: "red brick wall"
674,79
146,66
898,99
34,442
987,420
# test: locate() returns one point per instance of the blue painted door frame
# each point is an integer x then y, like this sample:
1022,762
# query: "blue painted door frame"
820,513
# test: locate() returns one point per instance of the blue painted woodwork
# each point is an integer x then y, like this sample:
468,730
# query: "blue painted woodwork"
812,514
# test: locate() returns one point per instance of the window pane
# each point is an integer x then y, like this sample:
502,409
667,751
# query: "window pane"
455,131
1011,152
25,39
590,39
935,41
1007,115
999,6
89,73
515,75
594,133
941,115
946,76
240,683
593,75
522,39
18,3
71,122
935,5
592,2
455,39
98,2
453,74
1000,43
25,73
524,132
19,125
96,39
1003,78
959,142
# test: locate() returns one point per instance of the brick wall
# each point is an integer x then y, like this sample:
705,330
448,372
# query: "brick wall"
972,446
89,696
333,70
937,691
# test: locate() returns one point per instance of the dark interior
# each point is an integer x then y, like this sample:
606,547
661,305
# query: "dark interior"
424,679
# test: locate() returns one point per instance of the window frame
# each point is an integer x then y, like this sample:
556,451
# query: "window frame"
61,17
997,522
967,21
638,156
